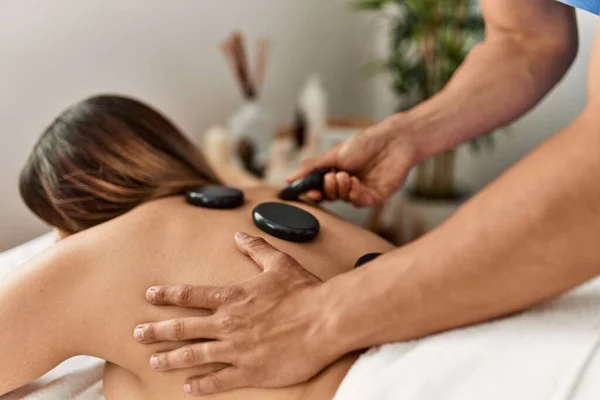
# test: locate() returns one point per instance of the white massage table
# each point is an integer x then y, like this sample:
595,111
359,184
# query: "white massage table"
551,352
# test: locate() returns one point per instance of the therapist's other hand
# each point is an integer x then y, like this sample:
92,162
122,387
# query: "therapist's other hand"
265,328
372,165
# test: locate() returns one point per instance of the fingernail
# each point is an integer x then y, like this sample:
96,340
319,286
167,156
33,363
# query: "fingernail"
138,334
154,362
187,388
151,295
241,235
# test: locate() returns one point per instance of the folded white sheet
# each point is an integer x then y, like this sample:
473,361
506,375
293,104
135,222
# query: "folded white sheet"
79,378
548,353
17,255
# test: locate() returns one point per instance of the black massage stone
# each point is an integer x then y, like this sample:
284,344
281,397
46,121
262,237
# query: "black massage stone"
215,196
312,181
286,222
366,258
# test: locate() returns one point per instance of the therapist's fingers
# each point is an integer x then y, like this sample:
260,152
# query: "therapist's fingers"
343,185
263,254
192,296
360,195
178,329
355,194
226,379
314,195
327,159
192,355
330,186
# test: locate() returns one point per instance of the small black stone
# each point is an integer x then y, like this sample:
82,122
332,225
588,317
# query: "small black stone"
286,222
366,258
313,181
215,196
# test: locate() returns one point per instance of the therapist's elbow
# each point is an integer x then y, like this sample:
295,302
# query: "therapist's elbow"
564,51
555,51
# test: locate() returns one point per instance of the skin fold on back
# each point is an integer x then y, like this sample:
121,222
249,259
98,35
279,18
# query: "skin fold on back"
170,242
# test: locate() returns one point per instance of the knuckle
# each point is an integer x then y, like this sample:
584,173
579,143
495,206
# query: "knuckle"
183,294
232,294
195,387
212,383
217,296
280,258
228,295
149,332
229,324
187,355
255,243
177,328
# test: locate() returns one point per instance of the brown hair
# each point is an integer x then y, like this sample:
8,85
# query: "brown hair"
103,157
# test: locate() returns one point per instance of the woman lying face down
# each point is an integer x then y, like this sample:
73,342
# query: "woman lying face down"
109,174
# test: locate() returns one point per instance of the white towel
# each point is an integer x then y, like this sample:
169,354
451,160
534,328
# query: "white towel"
547,353
12,258
79,378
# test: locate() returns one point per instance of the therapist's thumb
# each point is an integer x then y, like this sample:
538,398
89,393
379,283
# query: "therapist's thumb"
262,253
329,159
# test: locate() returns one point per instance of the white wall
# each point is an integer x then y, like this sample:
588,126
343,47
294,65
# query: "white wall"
54,53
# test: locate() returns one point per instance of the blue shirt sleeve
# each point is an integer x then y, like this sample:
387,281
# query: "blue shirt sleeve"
592,6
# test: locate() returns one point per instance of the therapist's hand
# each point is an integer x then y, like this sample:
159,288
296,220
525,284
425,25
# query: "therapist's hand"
371,166
267,330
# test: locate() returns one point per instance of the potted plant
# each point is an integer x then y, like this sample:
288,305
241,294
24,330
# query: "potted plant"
428,41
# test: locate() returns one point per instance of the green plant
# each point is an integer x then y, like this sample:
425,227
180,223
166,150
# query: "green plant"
429,39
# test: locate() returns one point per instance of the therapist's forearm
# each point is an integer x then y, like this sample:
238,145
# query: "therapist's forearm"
501,79
527,237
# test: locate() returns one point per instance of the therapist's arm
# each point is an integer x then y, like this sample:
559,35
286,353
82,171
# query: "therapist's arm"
528,237
528,47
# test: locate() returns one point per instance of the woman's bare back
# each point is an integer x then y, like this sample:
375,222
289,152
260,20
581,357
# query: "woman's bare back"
170,242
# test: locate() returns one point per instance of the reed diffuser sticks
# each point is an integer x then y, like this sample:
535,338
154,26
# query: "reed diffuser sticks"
234,50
